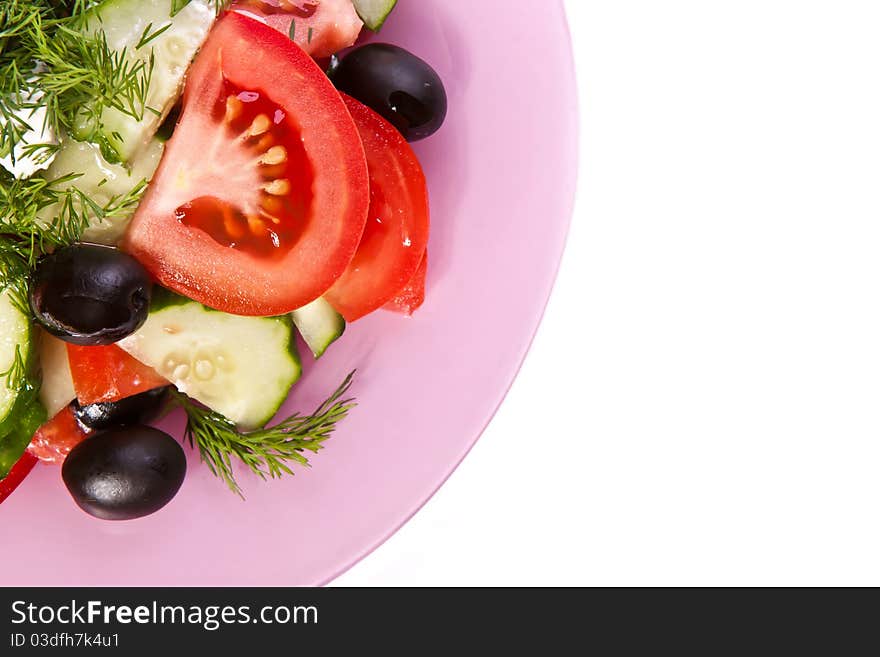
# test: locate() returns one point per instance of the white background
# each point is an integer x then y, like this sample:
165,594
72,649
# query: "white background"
701,403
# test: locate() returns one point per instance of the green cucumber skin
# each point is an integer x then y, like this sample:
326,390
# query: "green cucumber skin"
319,312
322,349
14,443
293,350
25,401
374,20
164,298
32,383
165,301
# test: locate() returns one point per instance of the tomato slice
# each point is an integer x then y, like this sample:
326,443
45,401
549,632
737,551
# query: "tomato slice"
412,296
396,234
262,196
108,374
320,27
53,441
17,474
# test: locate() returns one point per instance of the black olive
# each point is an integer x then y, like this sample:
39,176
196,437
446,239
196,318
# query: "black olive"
398,85
138,409
88,294
124,473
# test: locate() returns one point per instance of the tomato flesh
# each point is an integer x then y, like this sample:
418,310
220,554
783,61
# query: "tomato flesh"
396,235
53,441
268,223
17,474
320,27
261,198
108,374
412,296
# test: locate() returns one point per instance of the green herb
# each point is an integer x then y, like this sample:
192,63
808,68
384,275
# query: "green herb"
14,267
38,215
292,32
149,35
266,452
50,58
84,77
14,282
16,375
76,72
27,413
178,5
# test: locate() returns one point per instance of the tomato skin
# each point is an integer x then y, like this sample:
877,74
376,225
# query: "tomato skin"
108,374
17,474
412,296
53,441
396,235
247,54
322,27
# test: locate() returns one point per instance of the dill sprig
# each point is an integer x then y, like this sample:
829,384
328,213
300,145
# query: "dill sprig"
77,73
219,5
58,48
14,267
266,452
14,283
82,76
16,375
38,215
50,58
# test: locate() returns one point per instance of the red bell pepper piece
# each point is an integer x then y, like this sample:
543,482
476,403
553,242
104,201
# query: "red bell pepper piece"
19,471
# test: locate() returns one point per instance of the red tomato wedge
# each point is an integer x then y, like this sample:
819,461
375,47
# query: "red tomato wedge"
17,474
320,27
53,441
396,234
262,195
412,296
108,374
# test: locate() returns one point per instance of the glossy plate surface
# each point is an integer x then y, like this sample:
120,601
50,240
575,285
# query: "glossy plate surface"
502,176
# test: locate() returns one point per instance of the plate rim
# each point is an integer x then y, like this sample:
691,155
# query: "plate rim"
568,216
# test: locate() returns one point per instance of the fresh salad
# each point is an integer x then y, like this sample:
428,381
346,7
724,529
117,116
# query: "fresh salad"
188,188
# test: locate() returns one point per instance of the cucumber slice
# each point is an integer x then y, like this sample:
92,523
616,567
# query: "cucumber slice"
16,353
57,390
241,367
102,182
319,325
125,23
13,443
374,12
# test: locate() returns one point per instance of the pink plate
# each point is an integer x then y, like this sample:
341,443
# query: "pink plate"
502,176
